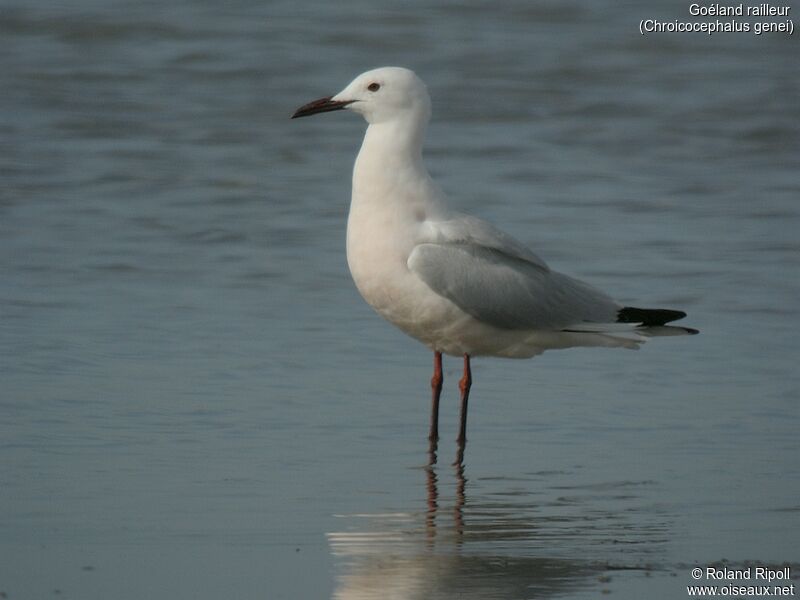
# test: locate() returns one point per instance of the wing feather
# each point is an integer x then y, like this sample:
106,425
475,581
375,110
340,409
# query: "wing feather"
469,230
501,285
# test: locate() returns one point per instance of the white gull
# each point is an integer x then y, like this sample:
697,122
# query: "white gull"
454,282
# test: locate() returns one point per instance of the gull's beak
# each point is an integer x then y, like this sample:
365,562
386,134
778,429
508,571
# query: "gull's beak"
322,105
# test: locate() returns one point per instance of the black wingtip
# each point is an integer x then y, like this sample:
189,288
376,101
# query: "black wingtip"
650,317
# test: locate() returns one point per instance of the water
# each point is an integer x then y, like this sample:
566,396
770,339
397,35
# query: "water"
197,404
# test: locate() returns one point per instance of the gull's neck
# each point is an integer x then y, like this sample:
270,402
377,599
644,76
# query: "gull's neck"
390,160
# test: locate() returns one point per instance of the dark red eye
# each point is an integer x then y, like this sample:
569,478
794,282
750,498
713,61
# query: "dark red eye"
374,87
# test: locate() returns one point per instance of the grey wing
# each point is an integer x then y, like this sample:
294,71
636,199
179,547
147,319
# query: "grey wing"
508,291
466,229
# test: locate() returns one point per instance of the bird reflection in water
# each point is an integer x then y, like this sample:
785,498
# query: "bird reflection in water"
433,490
495,543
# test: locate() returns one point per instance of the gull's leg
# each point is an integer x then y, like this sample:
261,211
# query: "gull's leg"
436,390
464,385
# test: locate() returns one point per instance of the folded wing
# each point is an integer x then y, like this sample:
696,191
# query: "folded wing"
506,289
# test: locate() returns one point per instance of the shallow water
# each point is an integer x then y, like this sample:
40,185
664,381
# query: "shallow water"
195,401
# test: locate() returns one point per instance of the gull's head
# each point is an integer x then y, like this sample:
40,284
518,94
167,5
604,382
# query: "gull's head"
379,95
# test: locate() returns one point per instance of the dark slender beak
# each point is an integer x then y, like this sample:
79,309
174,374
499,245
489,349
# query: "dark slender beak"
320,106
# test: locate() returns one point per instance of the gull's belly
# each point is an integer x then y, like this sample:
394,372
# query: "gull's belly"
396,293
380,271
404,300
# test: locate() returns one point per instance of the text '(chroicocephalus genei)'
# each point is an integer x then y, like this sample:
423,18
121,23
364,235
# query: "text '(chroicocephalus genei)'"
452,281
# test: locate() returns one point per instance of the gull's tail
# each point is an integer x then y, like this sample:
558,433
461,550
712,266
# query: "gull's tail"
653,321
632,328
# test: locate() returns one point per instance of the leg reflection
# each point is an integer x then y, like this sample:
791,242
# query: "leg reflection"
461,497
431,484
432,489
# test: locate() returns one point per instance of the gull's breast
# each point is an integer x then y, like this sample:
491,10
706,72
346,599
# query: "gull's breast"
378,246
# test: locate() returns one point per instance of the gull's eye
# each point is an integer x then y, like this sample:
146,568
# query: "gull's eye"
374,87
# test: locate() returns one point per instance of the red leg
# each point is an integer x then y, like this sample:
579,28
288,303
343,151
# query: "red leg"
436,390
464,385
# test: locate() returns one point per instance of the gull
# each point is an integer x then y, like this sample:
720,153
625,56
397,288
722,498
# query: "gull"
455,282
